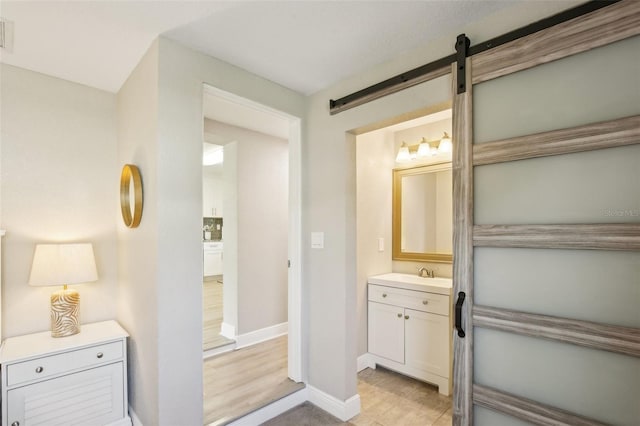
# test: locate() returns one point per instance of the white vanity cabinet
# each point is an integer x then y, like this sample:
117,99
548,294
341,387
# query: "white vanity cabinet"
79,379
212,257
409,331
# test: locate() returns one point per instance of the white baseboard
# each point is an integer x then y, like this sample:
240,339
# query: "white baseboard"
267,333
272,410
228,331
365,361
344,410
134,417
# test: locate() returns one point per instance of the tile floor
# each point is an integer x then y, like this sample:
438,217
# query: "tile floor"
387,399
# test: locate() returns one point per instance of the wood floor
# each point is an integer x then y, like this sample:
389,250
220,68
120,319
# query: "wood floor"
387,399
212,314
239,382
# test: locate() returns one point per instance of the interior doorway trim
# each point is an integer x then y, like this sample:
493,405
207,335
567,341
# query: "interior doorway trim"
295,224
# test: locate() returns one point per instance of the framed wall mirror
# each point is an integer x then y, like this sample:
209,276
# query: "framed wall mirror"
422,214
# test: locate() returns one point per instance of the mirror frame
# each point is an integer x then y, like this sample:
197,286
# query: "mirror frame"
396,219
131,174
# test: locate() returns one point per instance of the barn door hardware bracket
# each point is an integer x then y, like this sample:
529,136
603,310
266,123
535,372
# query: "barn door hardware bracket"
462,51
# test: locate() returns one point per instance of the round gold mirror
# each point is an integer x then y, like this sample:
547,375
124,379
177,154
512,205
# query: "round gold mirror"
130,181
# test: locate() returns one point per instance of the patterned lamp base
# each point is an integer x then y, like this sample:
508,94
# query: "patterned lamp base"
65,312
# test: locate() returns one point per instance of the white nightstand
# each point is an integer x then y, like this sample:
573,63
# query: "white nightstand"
79,379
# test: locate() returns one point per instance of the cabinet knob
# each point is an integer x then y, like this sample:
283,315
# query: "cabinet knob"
406,317
39,370
399,315
99,355
384,294
425,302
15,424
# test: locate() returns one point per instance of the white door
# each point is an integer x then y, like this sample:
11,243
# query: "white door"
387,339
547,241
427,342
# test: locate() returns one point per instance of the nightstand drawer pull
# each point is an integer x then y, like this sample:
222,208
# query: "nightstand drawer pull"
100,355
39,370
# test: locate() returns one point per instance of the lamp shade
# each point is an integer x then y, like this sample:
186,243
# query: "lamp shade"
445,143
62,264
424,149
403,153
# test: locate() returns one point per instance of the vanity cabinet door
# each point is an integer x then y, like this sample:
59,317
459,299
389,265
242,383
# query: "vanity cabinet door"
427,342
386,331
212,262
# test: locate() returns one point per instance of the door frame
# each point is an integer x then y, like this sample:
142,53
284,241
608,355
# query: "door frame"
294,290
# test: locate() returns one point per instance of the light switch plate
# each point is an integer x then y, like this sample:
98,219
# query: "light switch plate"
380,244
317,240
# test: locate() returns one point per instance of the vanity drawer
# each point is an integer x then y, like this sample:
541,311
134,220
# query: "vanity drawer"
417,300
39,368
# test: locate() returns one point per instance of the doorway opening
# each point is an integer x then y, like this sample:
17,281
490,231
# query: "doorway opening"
251,255
404,245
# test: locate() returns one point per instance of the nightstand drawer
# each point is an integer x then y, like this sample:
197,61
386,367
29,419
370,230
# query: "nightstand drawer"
37,369
418,300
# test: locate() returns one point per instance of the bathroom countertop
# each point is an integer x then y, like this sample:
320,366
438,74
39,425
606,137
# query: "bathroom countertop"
413,282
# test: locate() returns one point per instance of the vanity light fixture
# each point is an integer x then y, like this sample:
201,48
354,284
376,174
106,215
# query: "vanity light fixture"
445,143
423,150
403,154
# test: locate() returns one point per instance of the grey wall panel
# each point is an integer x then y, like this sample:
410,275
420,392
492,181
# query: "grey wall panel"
597,85
486,417
601,286
592,383
588,187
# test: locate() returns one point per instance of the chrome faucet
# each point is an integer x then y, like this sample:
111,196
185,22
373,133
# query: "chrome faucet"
426,273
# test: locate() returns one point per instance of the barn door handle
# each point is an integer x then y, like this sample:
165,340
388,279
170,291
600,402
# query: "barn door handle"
459,303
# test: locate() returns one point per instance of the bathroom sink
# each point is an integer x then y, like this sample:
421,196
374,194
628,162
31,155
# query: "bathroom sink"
413,282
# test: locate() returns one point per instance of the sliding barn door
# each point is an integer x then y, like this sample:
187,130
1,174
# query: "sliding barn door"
547,218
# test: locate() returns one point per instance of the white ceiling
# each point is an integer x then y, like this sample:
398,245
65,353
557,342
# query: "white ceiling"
303,45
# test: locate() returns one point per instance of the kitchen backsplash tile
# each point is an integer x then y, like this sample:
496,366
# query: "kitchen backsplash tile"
213,225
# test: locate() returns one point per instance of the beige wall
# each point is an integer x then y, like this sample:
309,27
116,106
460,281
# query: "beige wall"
330,191
375,159
160,129
138,248
182,73
256,246
58,184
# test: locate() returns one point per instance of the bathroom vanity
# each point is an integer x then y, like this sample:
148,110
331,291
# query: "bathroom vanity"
410,329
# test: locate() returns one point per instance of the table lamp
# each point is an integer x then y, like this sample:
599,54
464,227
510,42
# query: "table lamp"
63,264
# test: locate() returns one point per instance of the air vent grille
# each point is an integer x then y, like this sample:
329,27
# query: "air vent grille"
2,28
